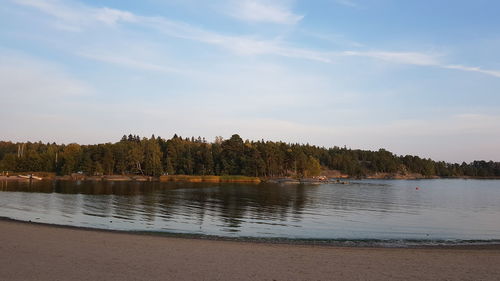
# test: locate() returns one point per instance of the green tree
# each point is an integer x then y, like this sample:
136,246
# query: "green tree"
152,157
108,160
232,155
135,156
71,158
313,167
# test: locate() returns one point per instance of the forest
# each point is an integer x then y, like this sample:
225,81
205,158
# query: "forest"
156,156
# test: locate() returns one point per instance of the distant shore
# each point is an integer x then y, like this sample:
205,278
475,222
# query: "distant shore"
342,179
167,178
42,252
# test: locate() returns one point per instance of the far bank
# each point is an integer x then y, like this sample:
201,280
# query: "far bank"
336,177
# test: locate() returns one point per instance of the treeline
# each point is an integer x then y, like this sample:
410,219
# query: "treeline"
195,156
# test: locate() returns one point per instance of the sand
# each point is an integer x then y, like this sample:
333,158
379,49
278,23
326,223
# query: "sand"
41,252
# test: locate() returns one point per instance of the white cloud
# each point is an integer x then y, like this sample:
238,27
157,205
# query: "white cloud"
243,45
495,73
112,16
413,58
53,8
420,59
263,11
75,16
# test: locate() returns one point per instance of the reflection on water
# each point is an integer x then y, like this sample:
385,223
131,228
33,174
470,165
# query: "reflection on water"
440,209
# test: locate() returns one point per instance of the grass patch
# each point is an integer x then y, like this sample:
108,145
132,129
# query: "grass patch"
239,179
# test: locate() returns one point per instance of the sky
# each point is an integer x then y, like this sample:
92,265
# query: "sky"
414,77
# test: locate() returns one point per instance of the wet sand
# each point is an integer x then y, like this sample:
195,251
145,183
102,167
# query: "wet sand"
41,252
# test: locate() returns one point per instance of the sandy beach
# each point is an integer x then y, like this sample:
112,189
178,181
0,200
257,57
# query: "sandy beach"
42,252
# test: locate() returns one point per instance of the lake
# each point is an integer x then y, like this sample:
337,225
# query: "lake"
446,210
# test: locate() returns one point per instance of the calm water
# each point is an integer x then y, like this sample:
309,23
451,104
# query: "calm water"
376,209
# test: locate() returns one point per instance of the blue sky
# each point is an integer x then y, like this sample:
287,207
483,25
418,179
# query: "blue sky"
414,77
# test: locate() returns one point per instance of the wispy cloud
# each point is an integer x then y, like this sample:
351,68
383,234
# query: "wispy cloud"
263,11
243,45
413,58
421,59
495,73
76,16
112,16
53,8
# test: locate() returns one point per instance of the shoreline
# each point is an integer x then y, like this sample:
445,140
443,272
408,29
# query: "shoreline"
210,179
333,243
32,251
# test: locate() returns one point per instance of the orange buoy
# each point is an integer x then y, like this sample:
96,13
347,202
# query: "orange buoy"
417,188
